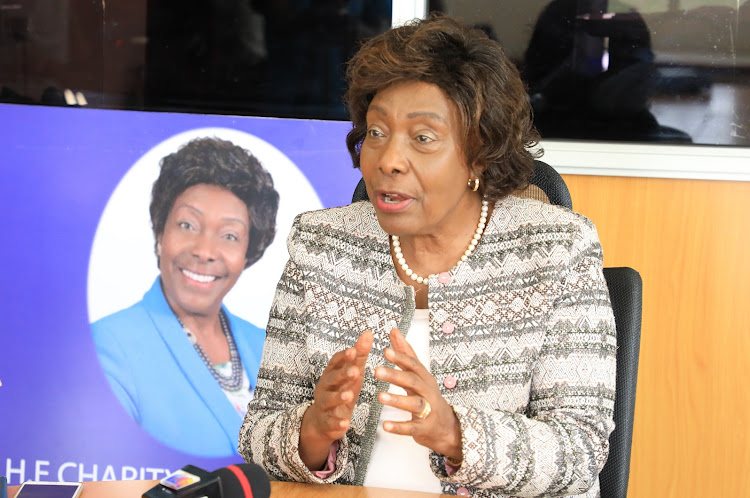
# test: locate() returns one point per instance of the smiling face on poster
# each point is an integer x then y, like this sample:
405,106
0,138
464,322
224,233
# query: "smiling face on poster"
148,288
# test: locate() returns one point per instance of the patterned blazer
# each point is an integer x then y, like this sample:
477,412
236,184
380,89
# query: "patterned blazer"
524,328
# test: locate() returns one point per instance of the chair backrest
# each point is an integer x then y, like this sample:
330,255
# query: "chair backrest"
625,292
547,185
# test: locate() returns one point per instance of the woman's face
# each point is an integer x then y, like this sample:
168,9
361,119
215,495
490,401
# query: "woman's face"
413,164
202,250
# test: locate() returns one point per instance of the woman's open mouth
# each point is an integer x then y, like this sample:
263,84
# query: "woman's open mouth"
203,279
392,202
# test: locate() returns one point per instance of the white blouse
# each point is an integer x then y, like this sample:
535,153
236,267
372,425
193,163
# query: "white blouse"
397,462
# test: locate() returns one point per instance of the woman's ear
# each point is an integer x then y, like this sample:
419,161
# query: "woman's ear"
476,170
158,247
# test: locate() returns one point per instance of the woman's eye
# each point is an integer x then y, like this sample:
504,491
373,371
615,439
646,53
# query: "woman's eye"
185,225
424,139
374,133
232,237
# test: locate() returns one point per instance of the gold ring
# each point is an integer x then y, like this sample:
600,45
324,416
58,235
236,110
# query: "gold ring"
425,411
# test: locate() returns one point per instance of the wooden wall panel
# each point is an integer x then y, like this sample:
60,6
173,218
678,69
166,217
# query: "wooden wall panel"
690,240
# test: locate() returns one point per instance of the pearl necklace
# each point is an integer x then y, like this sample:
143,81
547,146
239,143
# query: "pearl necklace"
472,245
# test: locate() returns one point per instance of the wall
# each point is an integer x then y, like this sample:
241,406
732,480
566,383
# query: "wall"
689,241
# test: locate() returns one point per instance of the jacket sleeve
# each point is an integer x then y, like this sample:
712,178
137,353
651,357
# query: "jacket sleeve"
269,435
559,446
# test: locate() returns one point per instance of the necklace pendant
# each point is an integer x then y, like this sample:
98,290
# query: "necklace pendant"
191,337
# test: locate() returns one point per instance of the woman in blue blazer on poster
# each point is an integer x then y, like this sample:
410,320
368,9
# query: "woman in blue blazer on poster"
181,364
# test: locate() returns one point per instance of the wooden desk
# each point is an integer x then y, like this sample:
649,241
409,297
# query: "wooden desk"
134,489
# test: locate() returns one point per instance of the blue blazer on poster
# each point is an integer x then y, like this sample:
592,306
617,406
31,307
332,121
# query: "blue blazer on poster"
163,383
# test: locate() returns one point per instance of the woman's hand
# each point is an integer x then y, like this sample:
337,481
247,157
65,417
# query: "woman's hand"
439,430
329,417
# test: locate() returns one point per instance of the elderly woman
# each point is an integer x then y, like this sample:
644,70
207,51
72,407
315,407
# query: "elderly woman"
447,336
181,364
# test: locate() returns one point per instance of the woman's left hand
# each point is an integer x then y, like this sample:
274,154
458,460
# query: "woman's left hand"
439,428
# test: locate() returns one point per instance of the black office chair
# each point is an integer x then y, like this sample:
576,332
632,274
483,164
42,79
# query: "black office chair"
625,292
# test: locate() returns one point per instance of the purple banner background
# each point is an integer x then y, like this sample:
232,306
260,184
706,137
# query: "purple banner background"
58,168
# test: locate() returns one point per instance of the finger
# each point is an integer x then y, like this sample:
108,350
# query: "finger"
362,347
343,376
356,353
330,399
402,354
405,361
411,404
409,381
339,359
399,343
331,418
340,378
402,428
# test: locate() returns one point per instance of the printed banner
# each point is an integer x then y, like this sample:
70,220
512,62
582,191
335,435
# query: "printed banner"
75,188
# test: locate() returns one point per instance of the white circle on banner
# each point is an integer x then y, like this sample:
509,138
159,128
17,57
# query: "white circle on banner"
122,265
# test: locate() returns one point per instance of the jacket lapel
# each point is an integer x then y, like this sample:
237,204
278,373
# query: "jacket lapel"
190,363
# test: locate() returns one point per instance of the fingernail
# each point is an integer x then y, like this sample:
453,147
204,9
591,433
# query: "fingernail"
387,426
385,396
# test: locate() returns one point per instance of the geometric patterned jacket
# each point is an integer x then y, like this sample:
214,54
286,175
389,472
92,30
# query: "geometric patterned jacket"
532,349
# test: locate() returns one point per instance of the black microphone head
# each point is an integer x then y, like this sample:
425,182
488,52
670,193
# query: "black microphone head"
243,480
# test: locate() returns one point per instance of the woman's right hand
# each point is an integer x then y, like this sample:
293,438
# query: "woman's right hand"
336,393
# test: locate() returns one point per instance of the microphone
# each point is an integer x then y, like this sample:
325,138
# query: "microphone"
244,480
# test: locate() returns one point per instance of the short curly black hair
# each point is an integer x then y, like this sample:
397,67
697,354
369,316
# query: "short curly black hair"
212,161
473,72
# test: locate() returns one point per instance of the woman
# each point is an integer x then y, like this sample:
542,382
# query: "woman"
181,364
446,336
